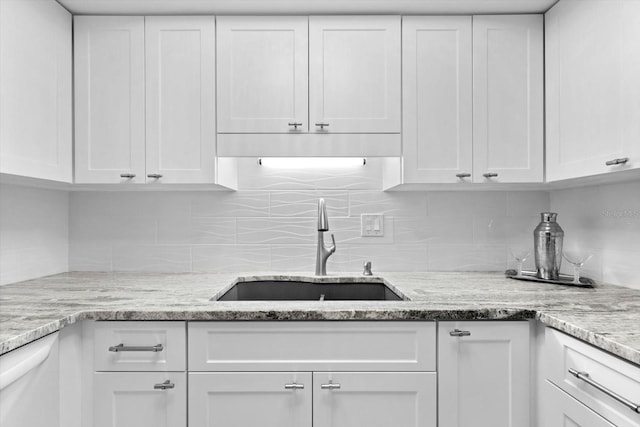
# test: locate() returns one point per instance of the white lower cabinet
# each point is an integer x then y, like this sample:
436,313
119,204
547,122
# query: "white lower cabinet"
374,399
140,399
563,410
483,374
267,399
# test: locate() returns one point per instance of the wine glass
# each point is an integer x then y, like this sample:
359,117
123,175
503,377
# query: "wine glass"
577,259
520,255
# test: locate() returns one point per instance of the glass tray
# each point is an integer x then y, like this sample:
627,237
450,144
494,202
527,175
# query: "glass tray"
564,279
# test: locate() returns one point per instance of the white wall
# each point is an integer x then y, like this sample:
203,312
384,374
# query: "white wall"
603,220
34,233
258,230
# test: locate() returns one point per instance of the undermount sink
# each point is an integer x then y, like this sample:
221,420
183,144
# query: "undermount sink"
293,289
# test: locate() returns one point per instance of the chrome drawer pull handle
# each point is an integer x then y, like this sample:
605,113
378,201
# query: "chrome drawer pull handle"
322,125
463,175
121,347
154,175
164,386
459,333
490,175
584,376
330,386
127,175
614,162
295,125
294,386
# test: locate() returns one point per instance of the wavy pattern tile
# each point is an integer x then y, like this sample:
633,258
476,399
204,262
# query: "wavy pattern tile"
231,258
277,230
305,203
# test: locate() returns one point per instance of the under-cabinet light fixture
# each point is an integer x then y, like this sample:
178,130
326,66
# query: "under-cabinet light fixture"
312,162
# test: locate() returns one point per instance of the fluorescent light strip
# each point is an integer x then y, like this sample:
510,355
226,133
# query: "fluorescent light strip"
312,162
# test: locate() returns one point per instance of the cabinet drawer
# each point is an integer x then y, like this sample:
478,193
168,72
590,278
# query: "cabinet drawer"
139,346
312,346
560,409
567,353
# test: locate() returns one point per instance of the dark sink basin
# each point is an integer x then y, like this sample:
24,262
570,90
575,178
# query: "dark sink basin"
297,290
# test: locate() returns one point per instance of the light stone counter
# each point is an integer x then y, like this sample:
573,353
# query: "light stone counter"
607,316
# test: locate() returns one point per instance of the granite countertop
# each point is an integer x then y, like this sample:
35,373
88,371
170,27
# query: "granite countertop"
607,316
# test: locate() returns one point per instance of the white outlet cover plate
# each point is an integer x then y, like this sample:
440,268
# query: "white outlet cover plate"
372,225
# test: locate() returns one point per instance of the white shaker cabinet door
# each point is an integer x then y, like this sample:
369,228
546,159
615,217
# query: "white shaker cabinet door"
508,142
483,374
35,90
354,74
140,399
180,99
437,99
262,74
560,409
593,87
271,399
377,399
109,99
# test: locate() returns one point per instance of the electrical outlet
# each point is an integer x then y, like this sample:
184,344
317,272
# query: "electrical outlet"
372,225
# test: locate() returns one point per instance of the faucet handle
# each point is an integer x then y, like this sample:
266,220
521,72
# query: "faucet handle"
367,269
332,249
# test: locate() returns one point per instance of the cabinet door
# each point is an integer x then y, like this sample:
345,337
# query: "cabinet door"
508,98
484,376
128,399
560,409
275,399
109,99
262,74
354,74
180,96
35,83
380,399
593,87
437,99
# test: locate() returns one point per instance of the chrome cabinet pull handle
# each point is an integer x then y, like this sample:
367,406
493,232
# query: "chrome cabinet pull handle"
614,162
490,175
127,175
295,125
330,386
154,175
121,347
164,386
584,376
294,386
459,333
463,175
322,125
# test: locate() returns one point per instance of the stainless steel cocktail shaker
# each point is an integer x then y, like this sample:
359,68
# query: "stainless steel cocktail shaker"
547,243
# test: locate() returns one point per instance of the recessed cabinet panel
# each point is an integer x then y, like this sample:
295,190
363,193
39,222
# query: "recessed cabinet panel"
483,370
109,99
272,399
508,98
437,98
560,409
262,74
294,346
374,399
593,87
180,99
35,83
354,74
125,399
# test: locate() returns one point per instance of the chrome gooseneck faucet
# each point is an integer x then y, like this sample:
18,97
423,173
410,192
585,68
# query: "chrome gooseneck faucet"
323,253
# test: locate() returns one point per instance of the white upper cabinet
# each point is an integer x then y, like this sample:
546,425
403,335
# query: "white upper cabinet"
354,74
180,99
593,87
262,74
437,94
109,99
508,98
35,88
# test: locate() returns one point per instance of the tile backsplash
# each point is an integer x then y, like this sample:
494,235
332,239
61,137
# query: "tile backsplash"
34,233
258,230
